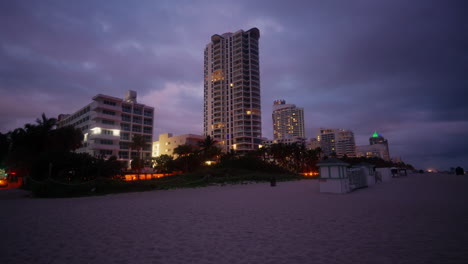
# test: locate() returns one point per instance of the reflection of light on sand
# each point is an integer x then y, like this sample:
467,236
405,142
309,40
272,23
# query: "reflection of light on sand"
245,223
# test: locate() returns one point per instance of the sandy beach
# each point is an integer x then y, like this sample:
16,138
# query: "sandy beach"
416,219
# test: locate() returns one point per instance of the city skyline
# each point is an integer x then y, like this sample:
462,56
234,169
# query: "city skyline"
394,67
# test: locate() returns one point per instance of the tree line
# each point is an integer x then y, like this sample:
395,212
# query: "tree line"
295,158
42,150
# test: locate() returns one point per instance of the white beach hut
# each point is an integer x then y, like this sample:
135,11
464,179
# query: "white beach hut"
333,176
385,174
369,172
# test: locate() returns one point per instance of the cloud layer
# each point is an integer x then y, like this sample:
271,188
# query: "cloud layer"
398,67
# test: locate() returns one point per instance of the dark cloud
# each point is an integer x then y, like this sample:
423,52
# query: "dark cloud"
398,67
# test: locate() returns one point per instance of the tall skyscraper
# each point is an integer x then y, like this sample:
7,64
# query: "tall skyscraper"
337,141
232,90
288,120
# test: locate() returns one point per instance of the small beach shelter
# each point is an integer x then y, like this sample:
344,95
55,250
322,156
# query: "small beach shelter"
333,176
368,171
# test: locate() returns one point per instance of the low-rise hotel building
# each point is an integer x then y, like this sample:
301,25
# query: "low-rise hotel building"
109,124
167,143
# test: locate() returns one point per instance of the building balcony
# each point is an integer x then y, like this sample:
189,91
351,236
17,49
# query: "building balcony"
243,134
100,125
103,136
243,140
242,103
96,146
244,147
95,106
97,115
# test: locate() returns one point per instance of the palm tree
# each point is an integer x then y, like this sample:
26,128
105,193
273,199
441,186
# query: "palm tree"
279,152
319,152
296,156
163,162
209,149
4,148
185,154
183,150
263,152
65,139
310,160
138,143
46,123
207,143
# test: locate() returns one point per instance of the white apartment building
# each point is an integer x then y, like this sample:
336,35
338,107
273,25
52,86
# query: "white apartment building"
338,141
109,123
288,120
167,143
232,90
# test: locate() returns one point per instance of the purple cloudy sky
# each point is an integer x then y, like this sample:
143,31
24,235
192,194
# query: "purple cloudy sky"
398,67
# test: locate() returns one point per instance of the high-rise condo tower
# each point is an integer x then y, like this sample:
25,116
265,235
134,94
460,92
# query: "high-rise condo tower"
232,90
288,120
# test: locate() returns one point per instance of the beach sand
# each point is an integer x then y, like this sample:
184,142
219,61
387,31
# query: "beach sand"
415,219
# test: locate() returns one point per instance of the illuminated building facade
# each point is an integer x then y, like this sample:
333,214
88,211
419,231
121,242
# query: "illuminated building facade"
337,141
378,147
288,120
109,124
167,143
232,90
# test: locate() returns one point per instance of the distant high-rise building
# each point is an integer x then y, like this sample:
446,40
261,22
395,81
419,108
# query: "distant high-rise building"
232,90
376,138
378,147
337,141
288,120
109,124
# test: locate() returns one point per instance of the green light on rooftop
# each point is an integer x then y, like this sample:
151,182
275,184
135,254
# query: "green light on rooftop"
375,134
